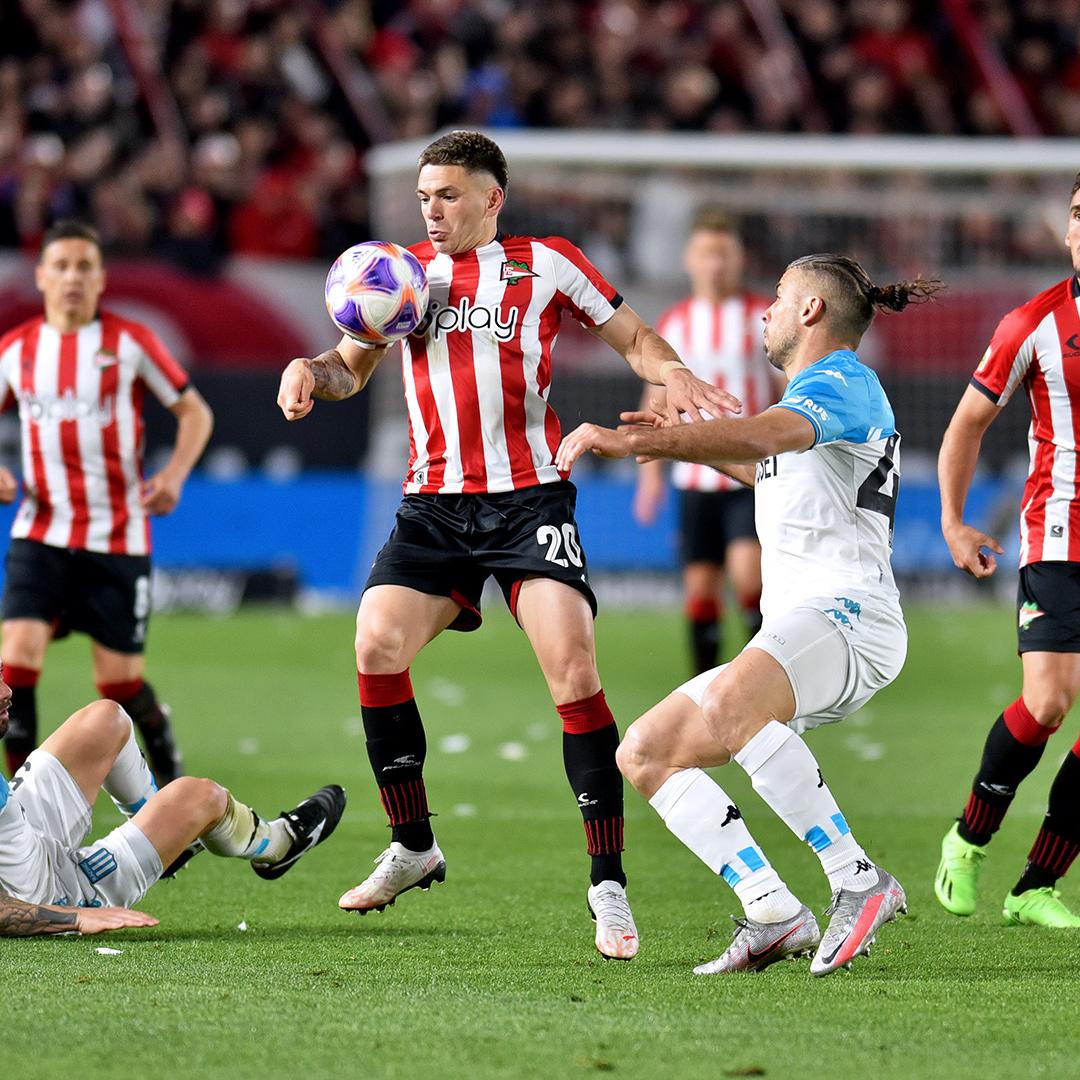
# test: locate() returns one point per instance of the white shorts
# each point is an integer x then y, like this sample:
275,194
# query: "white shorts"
836,658
41,857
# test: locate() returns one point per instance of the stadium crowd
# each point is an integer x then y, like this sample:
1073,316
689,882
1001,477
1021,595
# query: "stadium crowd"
195,128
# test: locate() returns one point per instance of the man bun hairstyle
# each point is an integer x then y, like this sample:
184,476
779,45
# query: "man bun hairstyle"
470,150
852,299
70,229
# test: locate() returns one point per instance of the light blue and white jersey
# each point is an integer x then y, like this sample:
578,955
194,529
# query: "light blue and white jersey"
825,515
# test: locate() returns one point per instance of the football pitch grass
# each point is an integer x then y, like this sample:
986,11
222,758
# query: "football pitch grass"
494,974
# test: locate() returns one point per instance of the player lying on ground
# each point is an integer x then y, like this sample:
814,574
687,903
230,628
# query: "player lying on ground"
823,463
54,884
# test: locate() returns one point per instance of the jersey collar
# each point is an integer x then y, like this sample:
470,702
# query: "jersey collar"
1076,285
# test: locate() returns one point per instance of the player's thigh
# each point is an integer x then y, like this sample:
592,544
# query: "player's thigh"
53,802
670,737
743,565
110,600
87,743
1048,638
111,666
701,528
394,622
121,866
558,621
185,809
1051,684
25,642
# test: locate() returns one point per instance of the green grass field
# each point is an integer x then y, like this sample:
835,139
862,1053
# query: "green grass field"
494,974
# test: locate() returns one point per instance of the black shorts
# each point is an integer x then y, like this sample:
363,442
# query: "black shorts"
1048,608
105,596
449,545
710,520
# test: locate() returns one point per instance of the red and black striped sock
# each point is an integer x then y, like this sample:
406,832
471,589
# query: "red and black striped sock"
703,620
1013,748
21,735
590,739
396,748
1058,842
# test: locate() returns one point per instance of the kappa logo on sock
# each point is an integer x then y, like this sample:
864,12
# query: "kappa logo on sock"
863,866
406,761
733,814
583,800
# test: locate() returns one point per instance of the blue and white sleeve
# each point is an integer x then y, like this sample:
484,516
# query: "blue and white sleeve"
851,409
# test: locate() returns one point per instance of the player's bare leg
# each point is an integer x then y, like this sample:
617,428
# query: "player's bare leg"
25,642
558,622
392,625
742,564
119,676
703,592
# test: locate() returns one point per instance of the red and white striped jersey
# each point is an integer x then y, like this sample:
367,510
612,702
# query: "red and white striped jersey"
721,343
478,373
1038,344
80,400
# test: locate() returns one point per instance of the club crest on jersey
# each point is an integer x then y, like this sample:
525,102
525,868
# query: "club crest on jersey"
513,270
104,358
467,316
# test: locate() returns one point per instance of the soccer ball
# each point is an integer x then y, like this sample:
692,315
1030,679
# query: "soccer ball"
376,292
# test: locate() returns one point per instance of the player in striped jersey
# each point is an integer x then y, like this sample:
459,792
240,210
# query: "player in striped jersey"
483,497
717,332
80,547
1036,346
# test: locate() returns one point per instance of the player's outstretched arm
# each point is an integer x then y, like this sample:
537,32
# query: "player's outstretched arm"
19,919
333,375
655,361
956,466
194,423
9,485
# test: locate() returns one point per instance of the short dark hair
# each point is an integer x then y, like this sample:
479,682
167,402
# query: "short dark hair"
714,219
854,298
1076,186
470,150
70,229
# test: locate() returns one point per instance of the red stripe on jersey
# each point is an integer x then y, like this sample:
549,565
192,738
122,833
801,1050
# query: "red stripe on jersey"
436,437
43,515
66,386
1068,328
159,356
459,345
1040,484
717,325
549,327
110,438
512,370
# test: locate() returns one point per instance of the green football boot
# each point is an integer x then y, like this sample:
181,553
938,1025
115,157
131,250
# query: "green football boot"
957,883
1039,907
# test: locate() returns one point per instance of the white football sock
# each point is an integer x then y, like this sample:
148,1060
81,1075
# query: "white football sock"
129,782
786,775
698,811
242,834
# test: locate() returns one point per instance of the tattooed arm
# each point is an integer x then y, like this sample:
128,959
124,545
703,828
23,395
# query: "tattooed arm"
333,375
19,919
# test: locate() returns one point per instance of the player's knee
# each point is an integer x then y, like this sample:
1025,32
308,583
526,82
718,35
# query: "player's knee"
1049,704
637,758
573,677
380,647
202,800
723,708
106,724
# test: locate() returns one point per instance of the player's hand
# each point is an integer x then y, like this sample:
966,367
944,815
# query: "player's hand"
598,440
9,486
648,497
966,545
97,920
161,493
688,394
294,392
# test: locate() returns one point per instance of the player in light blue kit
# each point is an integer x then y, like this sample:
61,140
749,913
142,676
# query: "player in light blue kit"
824,465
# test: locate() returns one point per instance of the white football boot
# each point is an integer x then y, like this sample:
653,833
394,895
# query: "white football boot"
616,934
396,871
856,919
755,946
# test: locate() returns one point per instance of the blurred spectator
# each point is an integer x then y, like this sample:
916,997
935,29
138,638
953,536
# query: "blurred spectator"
246,132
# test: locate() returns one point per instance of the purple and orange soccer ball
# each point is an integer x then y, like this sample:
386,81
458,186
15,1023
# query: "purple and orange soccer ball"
376,292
